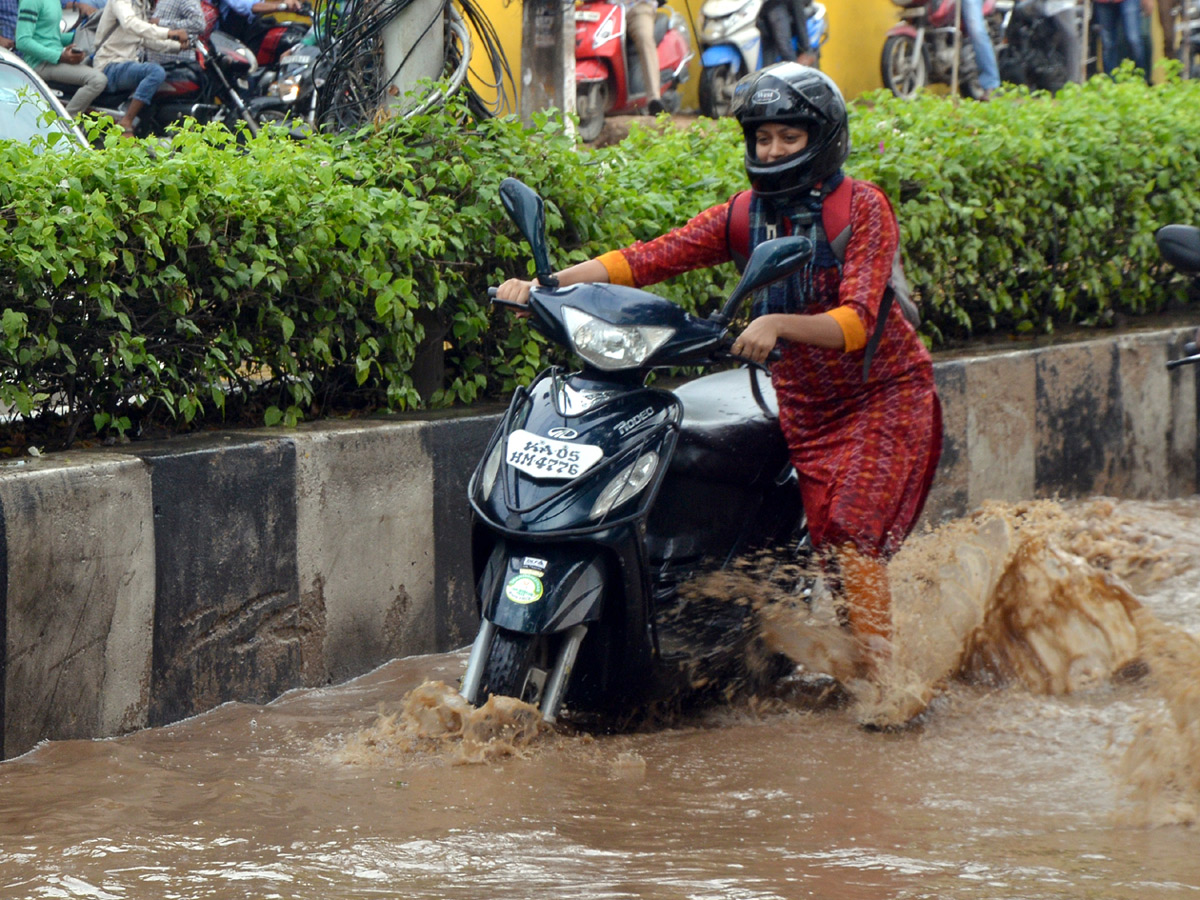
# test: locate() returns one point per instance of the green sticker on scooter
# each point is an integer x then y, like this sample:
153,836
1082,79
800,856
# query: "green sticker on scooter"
524,589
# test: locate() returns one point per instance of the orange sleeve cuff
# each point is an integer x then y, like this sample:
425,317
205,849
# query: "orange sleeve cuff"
617,266
853,332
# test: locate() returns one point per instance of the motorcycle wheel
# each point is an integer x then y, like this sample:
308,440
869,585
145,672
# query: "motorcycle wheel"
1191,61
507,669
591,105
716,90
904,70
1049,50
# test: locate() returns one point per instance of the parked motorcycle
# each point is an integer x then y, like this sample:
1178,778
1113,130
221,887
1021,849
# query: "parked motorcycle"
1187,37
731,47
608,75
597,496
1036,44
271,35
290,94
213,88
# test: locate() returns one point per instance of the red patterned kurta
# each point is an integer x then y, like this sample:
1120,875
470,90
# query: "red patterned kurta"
865,451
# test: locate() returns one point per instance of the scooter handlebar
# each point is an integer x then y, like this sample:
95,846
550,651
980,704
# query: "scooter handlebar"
725,352
1191,356
510,304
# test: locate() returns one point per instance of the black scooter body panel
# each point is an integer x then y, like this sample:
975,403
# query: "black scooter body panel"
624,426
529,593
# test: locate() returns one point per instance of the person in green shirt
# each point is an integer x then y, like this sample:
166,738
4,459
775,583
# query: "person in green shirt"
43,44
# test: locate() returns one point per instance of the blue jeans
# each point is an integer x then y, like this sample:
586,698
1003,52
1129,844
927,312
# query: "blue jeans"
1112,19
145,77
985,53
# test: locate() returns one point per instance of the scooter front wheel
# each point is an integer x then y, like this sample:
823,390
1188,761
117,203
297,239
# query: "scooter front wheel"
902,67
508,666
591,103
716,90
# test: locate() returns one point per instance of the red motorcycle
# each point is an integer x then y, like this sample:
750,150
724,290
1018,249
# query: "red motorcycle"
919,49
608,74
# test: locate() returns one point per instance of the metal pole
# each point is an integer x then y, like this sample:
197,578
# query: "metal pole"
957,48
1084,40
547,57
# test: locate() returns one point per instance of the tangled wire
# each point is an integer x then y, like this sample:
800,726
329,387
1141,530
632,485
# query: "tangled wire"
359,84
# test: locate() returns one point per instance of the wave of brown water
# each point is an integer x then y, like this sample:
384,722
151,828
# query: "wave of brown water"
1052,648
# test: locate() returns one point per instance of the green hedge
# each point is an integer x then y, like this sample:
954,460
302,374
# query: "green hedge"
267,280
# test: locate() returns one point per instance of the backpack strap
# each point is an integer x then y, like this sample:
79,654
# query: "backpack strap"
835,217
737,229
896,279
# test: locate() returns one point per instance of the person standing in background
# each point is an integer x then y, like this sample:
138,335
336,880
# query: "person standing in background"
1118,18
981,43
640,15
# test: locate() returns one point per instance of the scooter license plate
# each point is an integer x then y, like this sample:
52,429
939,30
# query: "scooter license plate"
544,457
587,16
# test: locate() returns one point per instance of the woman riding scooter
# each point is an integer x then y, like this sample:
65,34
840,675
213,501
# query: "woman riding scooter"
865,448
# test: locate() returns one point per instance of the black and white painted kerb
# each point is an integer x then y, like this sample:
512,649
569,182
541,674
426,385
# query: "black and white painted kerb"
142,586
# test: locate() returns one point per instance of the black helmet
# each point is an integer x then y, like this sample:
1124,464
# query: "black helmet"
798,95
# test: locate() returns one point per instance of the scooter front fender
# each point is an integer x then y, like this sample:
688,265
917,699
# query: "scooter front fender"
590,70
720,55
542,588
902,28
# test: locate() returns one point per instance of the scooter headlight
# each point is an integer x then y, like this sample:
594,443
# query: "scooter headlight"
627,484
289,89
606,32
609,347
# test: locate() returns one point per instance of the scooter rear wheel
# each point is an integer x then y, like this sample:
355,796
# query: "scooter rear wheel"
1049,50
716,90
902,67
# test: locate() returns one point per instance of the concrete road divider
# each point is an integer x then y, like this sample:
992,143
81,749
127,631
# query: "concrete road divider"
149,583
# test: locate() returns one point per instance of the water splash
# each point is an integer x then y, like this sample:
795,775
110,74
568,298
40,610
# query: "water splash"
1161,765
434,719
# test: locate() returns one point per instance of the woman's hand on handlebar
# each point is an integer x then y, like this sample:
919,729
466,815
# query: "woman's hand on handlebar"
757,341
515,290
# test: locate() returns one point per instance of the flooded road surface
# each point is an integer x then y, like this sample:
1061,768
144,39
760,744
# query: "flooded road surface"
1059,757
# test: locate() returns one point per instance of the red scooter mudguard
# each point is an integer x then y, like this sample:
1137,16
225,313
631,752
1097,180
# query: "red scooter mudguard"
902,28
590,70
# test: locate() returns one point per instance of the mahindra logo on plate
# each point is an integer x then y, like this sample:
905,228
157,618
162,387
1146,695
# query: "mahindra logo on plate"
766,95
566,434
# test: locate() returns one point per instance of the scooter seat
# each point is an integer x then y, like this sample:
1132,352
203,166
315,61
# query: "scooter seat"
730,429
661,23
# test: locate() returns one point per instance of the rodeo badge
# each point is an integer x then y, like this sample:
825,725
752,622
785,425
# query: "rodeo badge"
524,589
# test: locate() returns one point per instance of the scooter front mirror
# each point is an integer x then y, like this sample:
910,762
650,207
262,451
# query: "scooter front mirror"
528,213
771,261
1180,246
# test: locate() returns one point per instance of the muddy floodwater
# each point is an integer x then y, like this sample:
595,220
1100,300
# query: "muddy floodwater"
1049,655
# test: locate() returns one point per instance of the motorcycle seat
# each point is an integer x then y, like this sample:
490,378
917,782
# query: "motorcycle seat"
730,428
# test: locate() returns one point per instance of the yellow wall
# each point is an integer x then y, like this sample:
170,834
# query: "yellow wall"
851,57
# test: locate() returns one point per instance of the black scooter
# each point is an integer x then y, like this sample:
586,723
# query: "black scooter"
598,496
